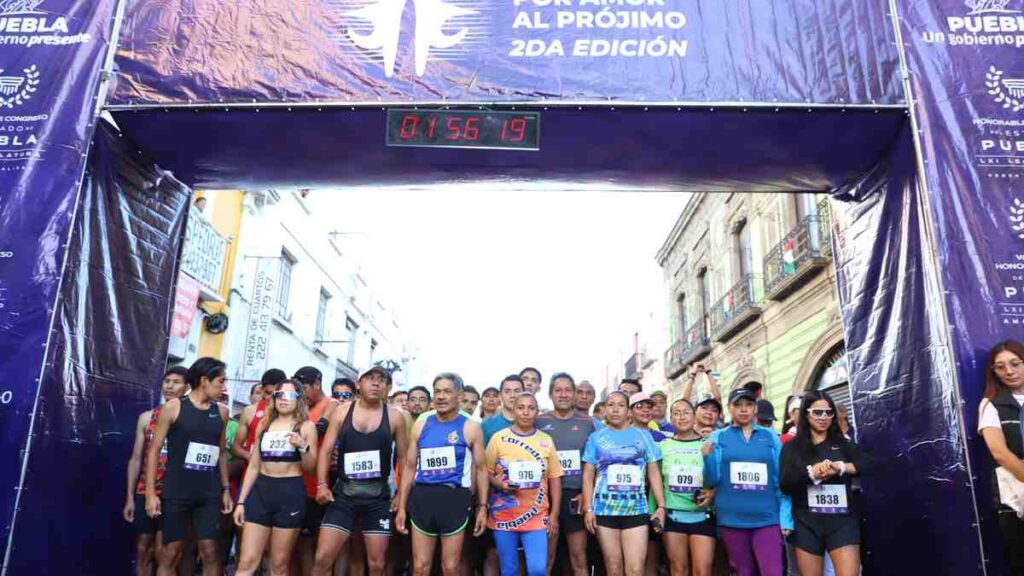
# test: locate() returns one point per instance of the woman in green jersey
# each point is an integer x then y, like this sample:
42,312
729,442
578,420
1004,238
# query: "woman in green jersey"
690,526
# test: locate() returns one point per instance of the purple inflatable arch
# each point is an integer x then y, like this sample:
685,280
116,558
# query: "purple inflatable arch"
919,105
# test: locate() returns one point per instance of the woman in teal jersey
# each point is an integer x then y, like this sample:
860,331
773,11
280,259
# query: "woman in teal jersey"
690,527
619,463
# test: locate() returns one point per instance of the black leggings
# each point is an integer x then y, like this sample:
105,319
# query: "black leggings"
1013,541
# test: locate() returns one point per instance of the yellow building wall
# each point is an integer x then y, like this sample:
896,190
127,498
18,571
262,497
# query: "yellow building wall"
226,217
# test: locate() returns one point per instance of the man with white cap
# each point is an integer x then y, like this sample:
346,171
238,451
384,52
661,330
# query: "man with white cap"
370,436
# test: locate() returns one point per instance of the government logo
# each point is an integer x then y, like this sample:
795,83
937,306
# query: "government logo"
16,89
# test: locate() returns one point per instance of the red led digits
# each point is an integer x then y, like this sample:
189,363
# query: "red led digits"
462,129
472,132
407,130
454,129
513,130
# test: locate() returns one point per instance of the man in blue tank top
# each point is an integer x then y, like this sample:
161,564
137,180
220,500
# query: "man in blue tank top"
445,450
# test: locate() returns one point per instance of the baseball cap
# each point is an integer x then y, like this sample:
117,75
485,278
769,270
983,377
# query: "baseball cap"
374,369
709,399
273,377
638,398
765,411
307,375
659,393
794,404
741,394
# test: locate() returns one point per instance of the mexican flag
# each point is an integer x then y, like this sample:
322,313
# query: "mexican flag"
788,258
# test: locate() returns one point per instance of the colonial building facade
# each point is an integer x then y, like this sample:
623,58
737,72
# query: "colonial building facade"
750,284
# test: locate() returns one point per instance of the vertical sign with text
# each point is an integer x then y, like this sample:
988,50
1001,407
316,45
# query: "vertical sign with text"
261,314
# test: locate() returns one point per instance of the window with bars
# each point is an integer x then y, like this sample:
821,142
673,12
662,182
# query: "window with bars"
351,329
284,287
321,317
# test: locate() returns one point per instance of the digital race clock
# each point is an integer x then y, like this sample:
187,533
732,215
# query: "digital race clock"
484,129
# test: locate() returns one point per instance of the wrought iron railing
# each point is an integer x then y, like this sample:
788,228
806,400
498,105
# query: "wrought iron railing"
797,251
740,302
673,359
203,254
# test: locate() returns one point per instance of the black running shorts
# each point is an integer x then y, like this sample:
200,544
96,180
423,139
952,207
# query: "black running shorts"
623,522
203,513
705,527
277,502
818,533
440,510
143,523
371,515
568,522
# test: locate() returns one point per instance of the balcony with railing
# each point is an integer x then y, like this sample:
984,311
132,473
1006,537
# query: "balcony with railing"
692,347
203,255
795,260
740,306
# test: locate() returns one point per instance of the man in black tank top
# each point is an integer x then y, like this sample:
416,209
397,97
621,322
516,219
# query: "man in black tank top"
369,435
195,489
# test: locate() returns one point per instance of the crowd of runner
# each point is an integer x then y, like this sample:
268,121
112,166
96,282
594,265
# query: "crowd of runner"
366,480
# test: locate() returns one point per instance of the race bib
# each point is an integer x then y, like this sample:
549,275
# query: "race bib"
685,480
436,461
524,474
362,465
624,478
276,445
570,461
749,476
201,457
827,498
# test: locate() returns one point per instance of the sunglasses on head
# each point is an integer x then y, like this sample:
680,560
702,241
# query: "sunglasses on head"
289,395
823,412
343,395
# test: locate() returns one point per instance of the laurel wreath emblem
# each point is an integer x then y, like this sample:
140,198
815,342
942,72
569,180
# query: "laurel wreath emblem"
1017,218
995,87
27,89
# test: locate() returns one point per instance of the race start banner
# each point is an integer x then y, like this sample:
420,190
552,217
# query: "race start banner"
966,62
51,57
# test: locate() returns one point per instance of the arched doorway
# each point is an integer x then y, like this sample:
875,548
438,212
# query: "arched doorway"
832,376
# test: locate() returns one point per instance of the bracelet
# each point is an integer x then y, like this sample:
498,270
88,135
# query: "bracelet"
323,485
225,488
240,504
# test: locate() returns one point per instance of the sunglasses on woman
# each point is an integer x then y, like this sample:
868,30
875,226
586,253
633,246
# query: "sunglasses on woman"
289,395
823,412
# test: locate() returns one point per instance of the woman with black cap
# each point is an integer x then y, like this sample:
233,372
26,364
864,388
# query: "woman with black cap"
741,462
